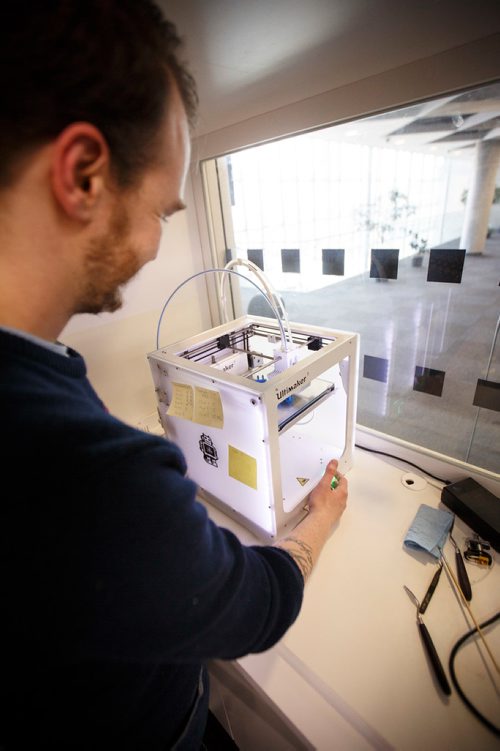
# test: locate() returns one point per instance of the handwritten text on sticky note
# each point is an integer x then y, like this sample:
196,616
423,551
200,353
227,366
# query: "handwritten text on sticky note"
182,403
197,404
208,407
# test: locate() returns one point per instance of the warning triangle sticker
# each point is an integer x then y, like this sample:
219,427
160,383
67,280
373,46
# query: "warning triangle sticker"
302,480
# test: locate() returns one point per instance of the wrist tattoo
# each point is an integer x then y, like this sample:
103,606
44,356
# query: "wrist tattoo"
300,552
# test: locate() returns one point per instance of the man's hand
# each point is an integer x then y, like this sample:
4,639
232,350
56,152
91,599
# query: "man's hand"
324,500
326,506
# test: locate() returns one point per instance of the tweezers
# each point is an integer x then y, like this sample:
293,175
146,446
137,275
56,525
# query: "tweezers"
431,588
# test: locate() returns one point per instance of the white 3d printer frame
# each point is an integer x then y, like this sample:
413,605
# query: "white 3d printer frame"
256,448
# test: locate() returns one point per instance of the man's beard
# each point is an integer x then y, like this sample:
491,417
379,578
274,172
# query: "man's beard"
109,263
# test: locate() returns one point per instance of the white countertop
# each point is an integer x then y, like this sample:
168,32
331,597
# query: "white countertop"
351,672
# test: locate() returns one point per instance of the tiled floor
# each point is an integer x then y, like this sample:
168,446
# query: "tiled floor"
411,322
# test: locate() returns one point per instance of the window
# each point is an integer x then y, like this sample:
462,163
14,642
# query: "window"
390,226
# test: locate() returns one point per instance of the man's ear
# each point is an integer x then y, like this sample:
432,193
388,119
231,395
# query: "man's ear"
80,170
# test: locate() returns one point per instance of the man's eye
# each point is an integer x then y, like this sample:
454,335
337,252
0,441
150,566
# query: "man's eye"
164,218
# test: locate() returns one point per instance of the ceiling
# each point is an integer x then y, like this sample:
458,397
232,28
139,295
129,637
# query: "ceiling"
450,125
253,56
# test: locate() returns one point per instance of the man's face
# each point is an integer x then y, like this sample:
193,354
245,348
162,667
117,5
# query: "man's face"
136,215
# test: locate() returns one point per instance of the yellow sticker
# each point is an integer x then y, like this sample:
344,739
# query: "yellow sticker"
242,467
182,401
208,407
302,480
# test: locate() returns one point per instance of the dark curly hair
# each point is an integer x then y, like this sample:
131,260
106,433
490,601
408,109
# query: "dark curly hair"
108,62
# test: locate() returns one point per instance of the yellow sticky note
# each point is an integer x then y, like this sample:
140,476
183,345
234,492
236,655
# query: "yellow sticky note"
208,407
182,401
242,467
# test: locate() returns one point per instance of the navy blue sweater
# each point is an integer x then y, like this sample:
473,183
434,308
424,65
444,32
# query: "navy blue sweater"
115,585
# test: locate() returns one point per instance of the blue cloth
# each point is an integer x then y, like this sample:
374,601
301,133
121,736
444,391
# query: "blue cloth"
116,587
429,530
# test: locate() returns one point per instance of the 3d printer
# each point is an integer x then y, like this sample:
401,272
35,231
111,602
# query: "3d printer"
258,412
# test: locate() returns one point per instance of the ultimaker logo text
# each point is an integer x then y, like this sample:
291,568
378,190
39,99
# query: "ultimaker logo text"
288,389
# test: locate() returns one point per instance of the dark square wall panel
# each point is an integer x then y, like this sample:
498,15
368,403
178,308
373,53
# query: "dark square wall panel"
376,368
446,265
384,263
333,261
487,395
428,381
256,256
290,260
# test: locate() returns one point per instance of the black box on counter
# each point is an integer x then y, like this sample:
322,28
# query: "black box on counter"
476,506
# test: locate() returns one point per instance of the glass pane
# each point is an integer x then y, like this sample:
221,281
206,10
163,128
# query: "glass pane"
484,442
390,226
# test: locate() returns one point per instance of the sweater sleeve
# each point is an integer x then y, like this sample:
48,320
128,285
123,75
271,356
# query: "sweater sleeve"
160,581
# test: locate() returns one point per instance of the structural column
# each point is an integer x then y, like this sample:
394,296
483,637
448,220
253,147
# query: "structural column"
480,196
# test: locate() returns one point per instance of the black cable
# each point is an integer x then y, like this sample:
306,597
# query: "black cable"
494,729
392,456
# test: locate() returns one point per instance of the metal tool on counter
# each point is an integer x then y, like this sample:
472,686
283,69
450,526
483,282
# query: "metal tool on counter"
463,578
429,646
454,582
431,588
477,551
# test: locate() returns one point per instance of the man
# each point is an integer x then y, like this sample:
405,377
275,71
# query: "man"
116,588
